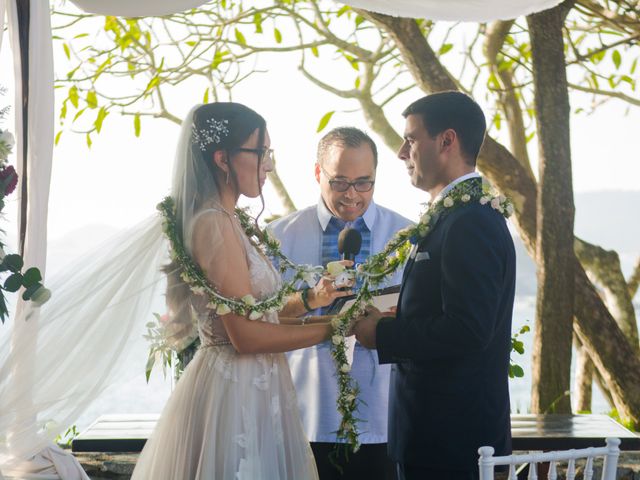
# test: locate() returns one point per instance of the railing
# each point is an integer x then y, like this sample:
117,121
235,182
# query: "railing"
487,462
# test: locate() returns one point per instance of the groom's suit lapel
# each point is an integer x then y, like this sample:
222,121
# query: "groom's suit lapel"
436,219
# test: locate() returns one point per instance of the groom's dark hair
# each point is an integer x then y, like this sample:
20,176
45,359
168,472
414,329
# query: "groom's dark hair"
452,110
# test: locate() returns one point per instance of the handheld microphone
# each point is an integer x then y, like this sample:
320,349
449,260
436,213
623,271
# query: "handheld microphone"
349,243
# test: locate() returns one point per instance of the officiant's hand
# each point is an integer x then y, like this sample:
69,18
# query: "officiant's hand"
365,327
326,291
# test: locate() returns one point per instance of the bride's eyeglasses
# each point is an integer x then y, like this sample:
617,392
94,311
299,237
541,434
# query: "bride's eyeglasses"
264,154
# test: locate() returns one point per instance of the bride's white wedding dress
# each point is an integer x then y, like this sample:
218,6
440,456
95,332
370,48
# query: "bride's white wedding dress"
231,416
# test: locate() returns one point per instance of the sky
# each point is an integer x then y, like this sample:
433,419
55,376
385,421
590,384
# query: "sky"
121,178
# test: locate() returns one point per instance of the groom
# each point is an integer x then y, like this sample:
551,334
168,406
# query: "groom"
450,337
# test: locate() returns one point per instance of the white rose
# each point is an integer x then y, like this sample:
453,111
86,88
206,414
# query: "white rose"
249,300
41,296
337,339
346,368
335,268
426,218
255,315
8,139
310,278
510,209
502,198
484,200
212,305
448,202
198,290
350,398
495,203
335,322
465,198
223,309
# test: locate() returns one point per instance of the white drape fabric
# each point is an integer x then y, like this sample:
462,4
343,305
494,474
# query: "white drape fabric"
27,453
3,10
454,10
136,8
86,336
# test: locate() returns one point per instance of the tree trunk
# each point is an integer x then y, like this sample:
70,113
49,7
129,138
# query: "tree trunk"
604,266
551,369
584,379
616,361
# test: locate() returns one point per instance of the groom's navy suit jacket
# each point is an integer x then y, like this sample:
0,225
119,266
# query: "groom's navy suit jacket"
450,342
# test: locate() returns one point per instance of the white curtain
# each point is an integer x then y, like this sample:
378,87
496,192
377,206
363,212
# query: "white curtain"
454,10
22,444
136,8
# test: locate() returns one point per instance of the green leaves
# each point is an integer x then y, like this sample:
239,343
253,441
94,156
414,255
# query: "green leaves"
73,96
444,48
240,37
92,99
136,124
277,35
325,120
12,262
515,370
102,114
617,58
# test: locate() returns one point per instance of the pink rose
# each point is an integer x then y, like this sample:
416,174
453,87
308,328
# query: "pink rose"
9,177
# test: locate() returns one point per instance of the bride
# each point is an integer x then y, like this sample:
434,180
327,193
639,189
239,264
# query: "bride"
233,413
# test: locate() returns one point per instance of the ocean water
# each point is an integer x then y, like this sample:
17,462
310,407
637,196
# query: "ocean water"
136,396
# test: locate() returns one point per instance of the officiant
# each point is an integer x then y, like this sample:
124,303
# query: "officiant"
345,170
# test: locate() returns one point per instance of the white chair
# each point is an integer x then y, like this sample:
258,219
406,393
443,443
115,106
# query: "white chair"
487,461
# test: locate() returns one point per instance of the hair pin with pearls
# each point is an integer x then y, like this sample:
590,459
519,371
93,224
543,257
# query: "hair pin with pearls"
215,131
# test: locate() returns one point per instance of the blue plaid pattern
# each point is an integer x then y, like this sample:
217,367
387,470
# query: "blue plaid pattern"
330,241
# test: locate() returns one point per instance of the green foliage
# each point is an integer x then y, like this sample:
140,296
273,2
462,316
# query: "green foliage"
515,370
64,440
324,121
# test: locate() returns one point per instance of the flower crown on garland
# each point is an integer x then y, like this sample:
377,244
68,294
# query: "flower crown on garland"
372,272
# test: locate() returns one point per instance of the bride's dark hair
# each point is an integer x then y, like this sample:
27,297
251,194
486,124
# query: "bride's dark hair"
222,126
239,123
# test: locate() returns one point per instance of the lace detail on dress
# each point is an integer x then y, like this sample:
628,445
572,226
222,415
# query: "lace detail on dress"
265,281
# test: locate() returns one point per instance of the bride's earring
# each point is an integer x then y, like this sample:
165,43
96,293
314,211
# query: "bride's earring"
227,180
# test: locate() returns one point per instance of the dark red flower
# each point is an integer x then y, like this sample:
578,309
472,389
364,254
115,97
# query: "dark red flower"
8,178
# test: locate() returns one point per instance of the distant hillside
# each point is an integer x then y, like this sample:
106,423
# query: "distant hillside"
608,219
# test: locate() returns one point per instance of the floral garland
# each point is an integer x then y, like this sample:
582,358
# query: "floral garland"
373,272
248,306
377,268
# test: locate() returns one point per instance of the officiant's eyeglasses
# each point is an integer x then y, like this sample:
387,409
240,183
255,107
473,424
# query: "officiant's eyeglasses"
342,186
263,153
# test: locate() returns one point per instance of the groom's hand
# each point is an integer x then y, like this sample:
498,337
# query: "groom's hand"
365,327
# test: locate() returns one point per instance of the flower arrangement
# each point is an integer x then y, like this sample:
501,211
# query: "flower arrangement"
31,279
